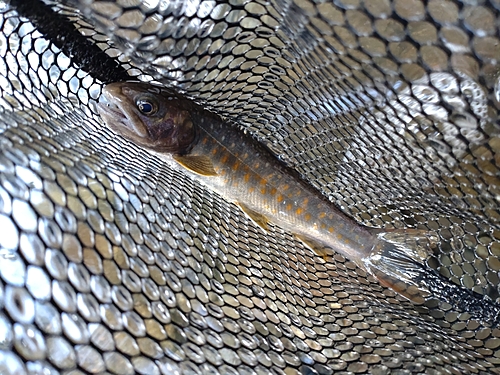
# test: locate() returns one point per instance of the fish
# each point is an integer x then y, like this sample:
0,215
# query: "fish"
233,164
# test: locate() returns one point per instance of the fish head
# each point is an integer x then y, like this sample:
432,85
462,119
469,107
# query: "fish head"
148,115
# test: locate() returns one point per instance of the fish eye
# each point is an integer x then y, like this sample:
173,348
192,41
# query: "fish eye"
147,106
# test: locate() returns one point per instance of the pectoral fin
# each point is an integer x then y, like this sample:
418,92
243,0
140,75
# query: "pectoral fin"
257,217
197,163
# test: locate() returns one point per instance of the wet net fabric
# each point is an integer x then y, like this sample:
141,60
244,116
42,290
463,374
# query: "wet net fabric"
112,263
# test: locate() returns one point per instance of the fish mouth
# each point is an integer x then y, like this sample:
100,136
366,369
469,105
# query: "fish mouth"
113,117
117,113
106,108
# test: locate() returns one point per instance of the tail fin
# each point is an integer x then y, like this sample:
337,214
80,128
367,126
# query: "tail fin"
398,261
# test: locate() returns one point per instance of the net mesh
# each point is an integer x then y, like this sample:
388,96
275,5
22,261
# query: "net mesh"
111,262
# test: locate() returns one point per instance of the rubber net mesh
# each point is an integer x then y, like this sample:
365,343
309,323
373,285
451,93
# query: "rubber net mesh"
112,263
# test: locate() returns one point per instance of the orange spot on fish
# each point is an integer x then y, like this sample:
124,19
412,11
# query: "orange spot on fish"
330,229
224,158
289,207
246,177
280,198
251,189
214,151
307,217
273,191
305,201
299,211
322,215
263,181
204,141
339,236
285,187
236,165
263,190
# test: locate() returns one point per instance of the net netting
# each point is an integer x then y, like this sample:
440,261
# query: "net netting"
112,263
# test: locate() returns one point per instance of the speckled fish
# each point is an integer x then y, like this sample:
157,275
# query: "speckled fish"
246,173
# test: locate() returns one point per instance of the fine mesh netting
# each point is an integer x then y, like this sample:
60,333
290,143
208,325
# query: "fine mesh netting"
113,263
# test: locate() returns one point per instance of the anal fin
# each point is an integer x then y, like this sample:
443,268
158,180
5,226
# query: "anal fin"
197,163
319,249
256,217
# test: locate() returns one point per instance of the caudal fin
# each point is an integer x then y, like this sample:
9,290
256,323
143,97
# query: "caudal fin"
398,261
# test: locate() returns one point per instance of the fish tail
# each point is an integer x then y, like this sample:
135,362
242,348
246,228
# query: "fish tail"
398,259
